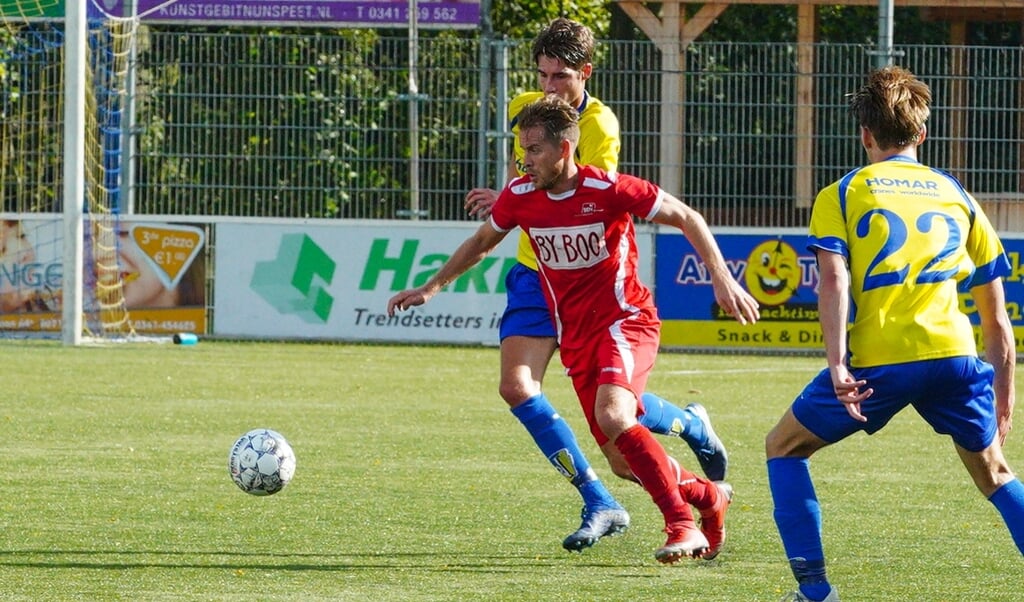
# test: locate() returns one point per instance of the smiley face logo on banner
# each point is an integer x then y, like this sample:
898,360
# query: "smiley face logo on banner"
772,273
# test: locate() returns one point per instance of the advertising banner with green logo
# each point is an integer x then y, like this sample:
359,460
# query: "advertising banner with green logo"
778,270
325,279
332,281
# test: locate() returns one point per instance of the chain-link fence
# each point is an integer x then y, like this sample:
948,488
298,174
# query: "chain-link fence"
318,124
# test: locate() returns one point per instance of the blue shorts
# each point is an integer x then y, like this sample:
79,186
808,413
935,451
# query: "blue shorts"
526,310
954,395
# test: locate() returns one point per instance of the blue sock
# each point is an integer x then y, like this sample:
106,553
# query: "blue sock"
665,418
1009,501
557,442
798,518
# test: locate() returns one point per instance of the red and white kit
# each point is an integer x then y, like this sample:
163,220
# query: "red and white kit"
585,241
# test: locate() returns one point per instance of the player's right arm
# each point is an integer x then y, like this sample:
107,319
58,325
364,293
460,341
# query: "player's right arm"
470,252
833,313
1000,351
479,201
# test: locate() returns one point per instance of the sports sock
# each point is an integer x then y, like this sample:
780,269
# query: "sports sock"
557,442
697,490
1009,501
665,418
798,518
648,461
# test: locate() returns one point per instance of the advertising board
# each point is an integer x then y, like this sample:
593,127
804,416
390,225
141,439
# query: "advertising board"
778,270
331,280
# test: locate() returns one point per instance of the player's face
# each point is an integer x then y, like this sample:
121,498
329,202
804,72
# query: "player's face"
543,161
555,77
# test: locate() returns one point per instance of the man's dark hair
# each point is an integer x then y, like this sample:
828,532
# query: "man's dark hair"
559,120
893,106
567,40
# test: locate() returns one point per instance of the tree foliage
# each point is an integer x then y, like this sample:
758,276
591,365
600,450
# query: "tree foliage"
523,19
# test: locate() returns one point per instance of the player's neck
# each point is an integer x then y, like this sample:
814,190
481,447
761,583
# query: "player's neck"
570,177
877,155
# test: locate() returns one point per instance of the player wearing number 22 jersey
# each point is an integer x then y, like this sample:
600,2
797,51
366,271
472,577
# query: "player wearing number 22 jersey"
896,243
585,244
905,301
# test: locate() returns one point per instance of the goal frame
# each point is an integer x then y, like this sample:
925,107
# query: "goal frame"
74,172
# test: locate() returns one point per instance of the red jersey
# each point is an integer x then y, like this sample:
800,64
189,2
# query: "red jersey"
585,243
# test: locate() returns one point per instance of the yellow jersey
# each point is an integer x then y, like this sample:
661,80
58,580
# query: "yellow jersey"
913,239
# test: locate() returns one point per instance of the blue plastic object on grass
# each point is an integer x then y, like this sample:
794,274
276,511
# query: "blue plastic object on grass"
185,338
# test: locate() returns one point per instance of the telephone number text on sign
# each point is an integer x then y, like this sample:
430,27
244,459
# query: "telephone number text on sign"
370,12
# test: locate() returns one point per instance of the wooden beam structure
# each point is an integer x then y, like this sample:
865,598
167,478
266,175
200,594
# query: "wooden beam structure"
803,179
672,31
978,14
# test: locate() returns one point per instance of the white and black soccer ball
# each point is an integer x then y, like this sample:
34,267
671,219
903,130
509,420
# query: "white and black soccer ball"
261,462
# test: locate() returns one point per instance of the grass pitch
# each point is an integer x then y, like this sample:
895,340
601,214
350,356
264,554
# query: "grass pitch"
415,483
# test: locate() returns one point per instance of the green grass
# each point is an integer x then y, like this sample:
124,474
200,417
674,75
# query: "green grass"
415,483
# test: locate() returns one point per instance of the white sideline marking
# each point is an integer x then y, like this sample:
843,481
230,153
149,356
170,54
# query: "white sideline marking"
733,371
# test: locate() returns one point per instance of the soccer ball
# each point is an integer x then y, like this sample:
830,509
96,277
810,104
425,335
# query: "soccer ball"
261,462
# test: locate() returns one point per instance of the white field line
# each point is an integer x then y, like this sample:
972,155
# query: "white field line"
774,370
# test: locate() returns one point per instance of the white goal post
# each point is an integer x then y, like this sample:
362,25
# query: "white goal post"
67,60
74,172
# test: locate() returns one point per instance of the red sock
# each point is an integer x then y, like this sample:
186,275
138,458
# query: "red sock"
702,493
648,461
698,491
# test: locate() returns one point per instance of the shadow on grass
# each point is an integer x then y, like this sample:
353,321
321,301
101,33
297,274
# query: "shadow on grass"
108,560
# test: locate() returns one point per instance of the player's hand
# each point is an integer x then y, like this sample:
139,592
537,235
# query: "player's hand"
479,202
1005,426
848,391
1004,418
735,301
406,299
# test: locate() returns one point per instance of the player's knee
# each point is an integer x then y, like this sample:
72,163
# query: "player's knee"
988,468
1003,476
782,443
790,438
515,392
996,474
773,444
612,424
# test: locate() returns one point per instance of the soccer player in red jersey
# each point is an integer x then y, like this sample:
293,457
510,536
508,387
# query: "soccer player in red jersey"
580,223
563,54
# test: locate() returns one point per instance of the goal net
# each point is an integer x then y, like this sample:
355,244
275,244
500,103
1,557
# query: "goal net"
35,274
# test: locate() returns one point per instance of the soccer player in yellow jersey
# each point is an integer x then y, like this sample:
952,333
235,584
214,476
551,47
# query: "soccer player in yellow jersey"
896,241
563,52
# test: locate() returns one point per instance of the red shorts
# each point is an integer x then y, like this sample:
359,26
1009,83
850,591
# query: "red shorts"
622,355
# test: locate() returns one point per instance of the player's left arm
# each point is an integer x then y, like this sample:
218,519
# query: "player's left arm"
986,289
728,293
1000,351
